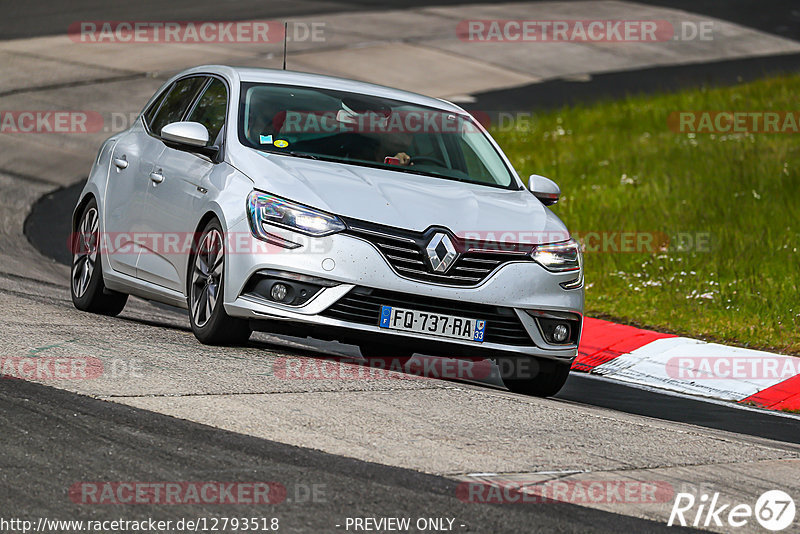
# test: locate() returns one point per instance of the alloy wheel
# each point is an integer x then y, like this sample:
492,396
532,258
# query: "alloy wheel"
206,277
85,254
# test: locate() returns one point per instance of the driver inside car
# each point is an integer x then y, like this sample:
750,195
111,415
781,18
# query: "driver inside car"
393,147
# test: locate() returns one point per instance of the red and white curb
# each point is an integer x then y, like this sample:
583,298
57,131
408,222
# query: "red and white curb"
690,366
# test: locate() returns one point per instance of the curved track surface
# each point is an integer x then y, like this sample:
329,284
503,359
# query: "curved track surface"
47,228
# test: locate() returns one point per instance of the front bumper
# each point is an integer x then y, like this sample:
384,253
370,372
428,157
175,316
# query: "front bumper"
358,267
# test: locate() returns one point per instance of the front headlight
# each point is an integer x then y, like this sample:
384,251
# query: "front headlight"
265,210
559,257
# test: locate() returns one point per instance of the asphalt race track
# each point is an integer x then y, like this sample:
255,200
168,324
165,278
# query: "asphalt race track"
47,228
166,408
84,435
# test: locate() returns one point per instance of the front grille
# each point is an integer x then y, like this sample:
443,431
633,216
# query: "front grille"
363,306
404,250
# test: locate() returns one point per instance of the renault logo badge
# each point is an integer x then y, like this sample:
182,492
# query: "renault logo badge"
441,252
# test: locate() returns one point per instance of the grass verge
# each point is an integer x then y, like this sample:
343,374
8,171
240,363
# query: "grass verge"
723,211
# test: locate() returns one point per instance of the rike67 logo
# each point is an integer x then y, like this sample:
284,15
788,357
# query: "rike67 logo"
774,510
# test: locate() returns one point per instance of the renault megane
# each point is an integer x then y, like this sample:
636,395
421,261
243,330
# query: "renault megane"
323,207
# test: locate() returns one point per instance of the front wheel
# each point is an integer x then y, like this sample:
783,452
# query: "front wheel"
210,324
89,292
533,376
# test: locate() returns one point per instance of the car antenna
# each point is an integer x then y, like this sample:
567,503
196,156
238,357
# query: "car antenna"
285,33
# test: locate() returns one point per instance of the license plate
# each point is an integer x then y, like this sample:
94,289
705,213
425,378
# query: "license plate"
435,324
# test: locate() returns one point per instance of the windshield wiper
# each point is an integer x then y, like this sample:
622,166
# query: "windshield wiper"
301,155
305,155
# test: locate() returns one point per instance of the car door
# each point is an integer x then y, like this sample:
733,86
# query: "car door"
176,202
132,160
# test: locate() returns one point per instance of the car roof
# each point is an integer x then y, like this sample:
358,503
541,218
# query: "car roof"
288,77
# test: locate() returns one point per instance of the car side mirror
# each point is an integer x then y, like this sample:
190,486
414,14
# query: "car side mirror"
191,134
545,189
191,137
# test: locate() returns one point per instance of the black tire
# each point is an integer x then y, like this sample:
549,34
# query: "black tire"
533,376
89,292
206,292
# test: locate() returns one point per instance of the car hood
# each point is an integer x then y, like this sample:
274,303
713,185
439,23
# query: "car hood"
404,200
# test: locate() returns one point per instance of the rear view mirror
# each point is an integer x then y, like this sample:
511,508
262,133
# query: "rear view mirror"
545,189
191,134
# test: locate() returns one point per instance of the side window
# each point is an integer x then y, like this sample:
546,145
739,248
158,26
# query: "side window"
179,98
211,109
151,111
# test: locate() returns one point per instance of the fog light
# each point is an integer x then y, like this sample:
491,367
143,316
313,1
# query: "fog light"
279,292
560,333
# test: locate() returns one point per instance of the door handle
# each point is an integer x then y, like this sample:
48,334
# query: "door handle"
157,177
121,162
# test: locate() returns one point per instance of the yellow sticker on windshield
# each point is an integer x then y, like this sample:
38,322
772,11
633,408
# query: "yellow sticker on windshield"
281,143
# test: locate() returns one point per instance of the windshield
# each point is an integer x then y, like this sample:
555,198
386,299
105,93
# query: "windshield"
369,131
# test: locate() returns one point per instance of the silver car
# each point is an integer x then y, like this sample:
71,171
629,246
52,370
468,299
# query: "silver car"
316,206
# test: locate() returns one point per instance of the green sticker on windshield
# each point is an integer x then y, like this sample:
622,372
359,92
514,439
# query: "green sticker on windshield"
265,139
